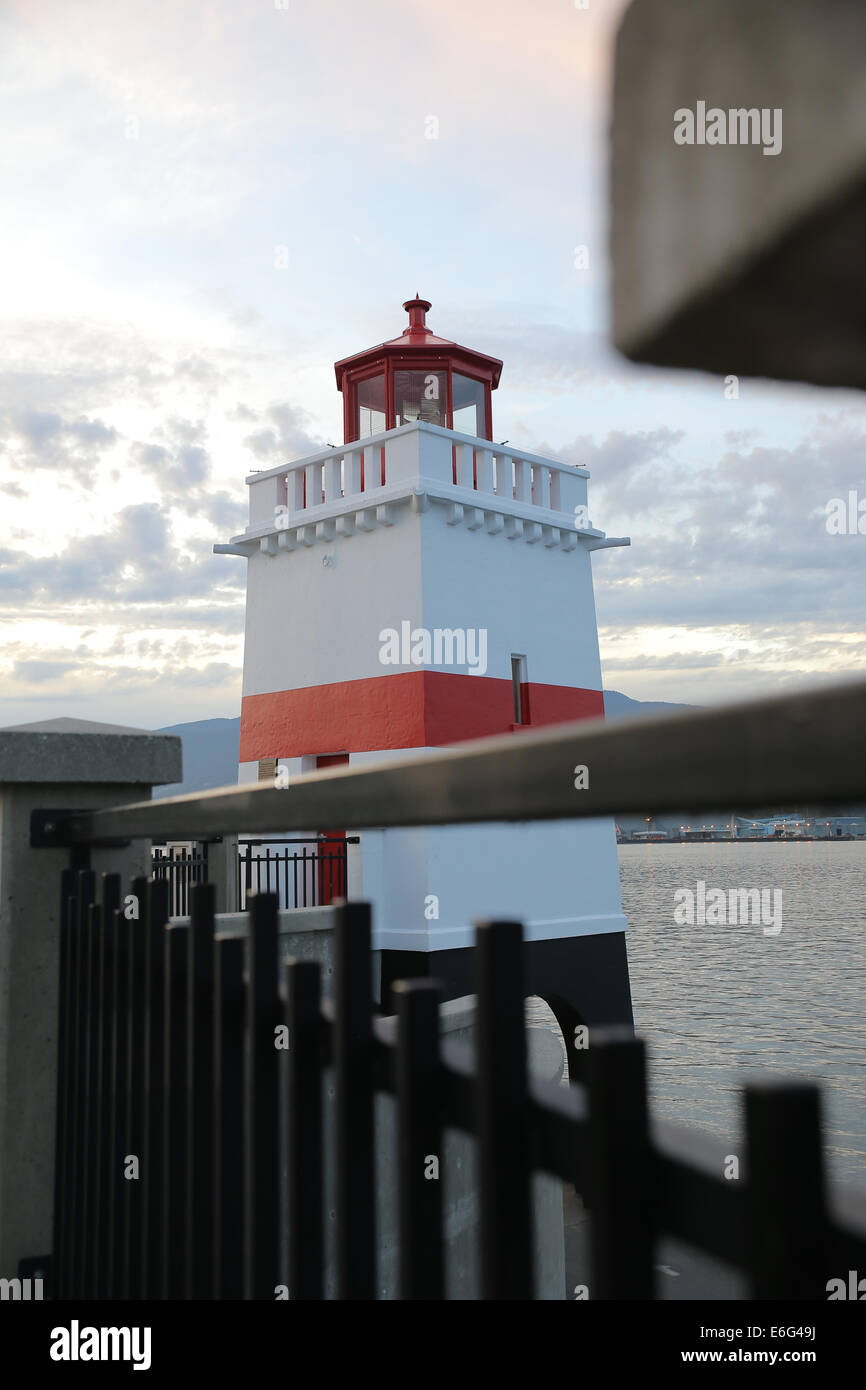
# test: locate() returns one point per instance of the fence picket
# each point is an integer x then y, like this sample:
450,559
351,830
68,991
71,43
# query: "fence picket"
135,928
154,1117
506,1245
175,1244
305,1192
264,1016
76,1233
91,1156
620,1168
356,1276
111,889
65,1006
101,1224
785,1190
419,1138
200,983
229,1022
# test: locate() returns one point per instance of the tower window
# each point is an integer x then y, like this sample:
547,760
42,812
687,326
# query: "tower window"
518,688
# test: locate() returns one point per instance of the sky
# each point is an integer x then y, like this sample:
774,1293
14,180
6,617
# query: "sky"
206,205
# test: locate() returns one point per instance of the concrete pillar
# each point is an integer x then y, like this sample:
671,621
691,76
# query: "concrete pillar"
56,764
223,873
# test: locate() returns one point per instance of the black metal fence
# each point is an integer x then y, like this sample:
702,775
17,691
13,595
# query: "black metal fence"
181,867
169,1097
169,1114
312,876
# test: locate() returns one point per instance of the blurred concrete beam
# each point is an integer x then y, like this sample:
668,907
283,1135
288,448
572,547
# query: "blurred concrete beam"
738,186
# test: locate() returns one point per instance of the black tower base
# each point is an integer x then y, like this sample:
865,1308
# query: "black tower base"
582,979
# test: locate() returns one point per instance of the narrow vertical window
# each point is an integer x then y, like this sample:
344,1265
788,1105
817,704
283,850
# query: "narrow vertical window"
518,687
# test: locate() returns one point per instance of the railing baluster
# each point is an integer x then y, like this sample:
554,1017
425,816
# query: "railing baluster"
305,1194
620,1167
506,1245
263,1170
521,479
200,1090
296,491
370,468
464,465
154,1128
419,1138
356,1271
228,1081
352,473
484,470
331,471
175,1249
785,1192
136,930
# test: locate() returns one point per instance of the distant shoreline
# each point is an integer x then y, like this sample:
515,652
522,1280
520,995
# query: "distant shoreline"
756,840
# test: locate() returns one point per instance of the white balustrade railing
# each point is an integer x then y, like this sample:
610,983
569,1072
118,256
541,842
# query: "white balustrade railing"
424,456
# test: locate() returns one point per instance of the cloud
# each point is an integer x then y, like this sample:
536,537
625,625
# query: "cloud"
177,471
38,672
285,436
33,439
136,560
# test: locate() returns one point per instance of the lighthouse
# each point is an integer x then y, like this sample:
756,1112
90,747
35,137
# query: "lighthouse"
417,586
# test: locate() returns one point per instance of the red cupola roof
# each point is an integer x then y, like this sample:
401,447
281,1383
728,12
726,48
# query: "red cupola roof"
418,337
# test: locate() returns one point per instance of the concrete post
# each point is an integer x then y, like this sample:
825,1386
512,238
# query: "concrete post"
56,764
222,863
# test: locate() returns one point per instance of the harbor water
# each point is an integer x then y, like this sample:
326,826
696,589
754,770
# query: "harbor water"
720,1003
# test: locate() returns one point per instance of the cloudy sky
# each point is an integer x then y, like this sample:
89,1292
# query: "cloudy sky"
206,204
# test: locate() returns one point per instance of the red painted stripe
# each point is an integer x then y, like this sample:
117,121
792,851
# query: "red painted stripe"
409,709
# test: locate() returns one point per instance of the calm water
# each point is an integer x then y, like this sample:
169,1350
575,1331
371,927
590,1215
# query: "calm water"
717,1005
720,1004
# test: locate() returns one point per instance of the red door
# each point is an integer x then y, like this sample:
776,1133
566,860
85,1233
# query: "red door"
331,867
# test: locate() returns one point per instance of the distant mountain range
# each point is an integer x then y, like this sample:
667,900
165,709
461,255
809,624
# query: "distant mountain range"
210,755
618,706
210,746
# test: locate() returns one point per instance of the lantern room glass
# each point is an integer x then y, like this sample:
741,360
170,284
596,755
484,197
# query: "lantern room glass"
371,407
420,395
469,408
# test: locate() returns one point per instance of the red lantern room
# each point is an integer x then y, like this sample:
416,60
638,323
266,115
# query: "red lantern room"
417,377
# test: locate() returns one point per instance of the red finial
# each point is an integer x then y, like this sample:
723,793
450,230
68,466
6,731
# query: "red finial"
416,309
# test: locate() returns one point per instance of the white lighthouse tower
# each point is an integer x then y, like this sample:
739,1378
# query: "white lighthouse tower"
417,586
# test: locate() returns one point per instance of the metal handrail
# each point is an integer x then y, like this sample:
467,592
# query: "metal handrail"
304,840
781,751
